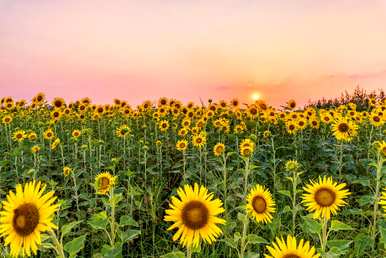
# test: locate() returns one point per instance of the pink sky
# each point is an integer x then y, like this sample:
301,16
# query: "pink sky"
138,50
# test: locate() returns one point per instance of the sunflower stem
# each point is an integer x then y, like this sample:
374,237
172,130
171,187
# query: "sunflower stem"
376,198
323,239
58,246
188,252
243,243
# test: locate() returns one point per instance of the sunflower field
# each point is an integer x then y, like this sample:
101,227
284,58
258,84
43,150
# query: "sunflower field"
170,179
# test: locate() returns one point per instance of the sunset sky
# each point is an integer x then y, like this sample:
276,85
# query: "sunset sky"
185,49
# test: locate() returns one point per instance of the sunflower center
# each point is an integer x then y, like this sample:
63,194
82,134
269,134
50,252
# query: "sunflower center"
199,140
291,127
343,127
259,204
376,119
195,215
105,182
291,256
325,197
26,218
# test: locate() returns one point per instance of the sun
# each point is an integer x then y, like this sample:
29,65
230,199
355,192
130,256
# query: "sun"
255,96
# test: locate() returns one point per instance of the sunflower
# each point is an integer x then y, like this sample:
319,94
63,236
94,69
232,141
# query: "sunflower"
32,136
382,148
19,135
25,215
35,149
260,204
199,140
163,125
324,197
382,202
122,131
67,171
7,119
344,129
291,127
375,119
247,146
182,145
104,182
183,131
195,214
291,249
55,144
48,134
291,104
219,149
76,133
292,165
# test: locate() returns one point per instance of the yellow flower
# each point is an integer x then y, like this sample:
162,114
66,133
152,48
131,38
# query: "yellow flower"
48,134
122,131
35,149
55,144
7,119
76,133
382,202
344,129
199,140
292,165
195,214
104,182
67,171
260,204
324,197
247,146
291,104
163,125
182,145
218,149
291,249
19,135
32,136
25,215
382,148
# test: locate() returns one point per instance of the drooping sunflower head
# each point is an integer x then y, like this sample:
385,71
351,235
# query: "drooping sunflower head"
122,131
291,104
260,204
324,197
35,149
104,182
67,171
25,215
382,201
218,149
291,249
195,214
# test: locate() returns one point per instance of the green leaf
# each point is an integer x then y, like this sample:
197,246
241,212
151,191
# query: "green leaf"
127,220
255,239
129,235
339,244
236,237
175,254
242,217
75,245
66,229
286,193
312,226
99,221
229,242
336,225
361,242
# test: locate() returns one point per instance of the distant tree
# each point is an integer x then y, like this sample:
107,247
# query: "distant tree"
360,97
